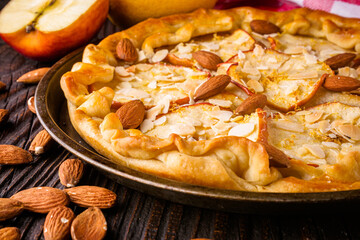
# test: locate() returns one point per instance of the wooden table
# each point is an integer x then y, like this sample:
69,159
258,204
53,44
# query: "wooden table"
136,215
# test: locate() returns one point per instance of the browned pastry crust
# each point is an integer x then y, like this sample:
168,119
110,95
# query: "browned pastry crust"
226,162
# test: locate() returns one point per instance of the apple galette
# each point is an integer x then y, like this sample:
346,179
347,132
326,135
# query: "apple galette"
240,99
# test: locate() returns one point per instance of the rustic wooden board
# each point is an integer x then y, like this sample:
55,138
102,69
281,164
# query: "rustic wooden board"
136,215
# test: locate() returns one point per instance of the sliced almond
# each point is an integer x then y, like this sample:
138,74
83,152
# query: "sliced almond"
70,172
340,60
9,208
41,143
10,154
57,223
341,83
33,76
255,85
288,125
207,59
250,104
92,196
2,86
315,150
41,199
350,131
160,55
313,117
4,115
263,27
131,114
90,224
31,104
242,130
211,87
126,50
10,233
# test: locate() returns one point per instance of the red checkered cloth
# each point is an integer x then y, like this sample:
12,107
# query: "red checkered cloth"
345,8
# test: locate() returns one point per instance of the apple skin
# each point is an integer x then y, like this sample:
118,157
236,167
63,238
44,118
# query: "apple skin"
49,46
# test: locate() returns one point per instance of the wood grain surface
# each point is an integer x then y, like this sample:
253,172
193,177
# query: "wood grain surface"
136,215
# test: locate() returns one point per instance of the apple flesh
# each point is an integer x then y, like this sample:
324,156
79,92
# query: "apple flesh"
46,30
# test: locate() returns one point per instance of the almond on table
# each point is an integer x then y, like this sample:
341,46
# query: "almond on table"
41,143
70,172
91,196
4,115
33,76
10,154
10,233
41,199
90,224
31,104
10,208
57,223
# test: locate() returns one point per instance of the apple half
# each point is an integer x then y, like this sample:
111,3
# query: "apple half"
46,30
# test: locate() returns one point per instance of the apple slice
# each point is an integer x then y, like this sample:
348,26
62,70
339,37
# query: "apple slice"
48,29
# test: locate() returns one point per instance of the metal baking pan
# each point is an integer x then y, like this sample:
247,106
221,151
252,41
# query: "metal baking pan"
52,112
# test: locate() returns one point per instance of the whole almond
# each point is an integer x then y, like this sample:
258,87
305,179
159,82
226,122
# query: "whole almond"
10,154
41,143
126,50
2,86
89,225
277,157
9,208
250,104
207,59
70,172
41,199
10,233
57,223
31,104
91,196
341,83
340,60
263,27
33,76
131,114
211,87
4,115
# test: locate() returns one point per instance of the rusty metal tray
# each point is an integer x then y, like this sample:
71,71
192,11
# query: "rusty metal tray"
52,112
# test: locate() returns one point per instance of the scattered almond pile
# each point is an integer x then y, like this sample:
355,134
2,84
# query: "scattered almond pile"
60,221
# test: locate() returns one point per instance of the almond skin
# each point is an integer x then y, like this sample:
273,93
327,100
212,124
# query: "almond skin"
131,114
276,157
70,172
207,59
33,76
4,115
341,83
10,208
89,225
250,104
211,87
340,60
31,104
57,223
10,233
91,196
126,50
10,154
41,199
41,143
263,27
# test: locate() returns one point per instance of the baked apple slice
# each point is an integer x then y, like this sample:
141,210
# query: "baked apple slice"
288,81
